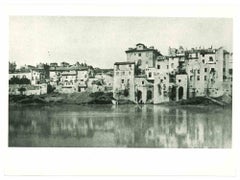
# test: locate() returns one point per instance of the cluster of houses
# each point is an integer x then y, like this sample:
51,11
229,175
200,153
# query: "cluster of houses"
150,77
64,78
146,76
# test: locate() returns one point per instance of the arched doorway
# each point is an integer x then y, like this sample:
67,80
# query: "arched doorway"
180,93
149,95
139,95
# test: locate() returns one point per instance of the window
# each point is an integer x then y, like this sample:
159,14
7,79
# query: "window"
230,71
198,71
172,65
205,69
130,65
212,70
191,78
122,80
198,78
165,77
179,80
203,55
117,67
205,78
142,82
158,66
224,70
203,61
150,74
210,59
139,54
167,66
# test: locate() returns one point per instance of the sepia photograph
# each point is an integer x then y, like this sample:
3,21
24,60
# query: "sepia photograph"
128,82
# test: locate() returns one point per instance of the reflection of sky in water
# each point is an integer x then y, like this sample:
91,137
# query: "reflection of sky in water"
122,126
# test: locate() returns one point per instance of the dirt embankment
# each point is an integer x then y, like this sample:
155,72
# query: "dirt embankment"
55,98
224,100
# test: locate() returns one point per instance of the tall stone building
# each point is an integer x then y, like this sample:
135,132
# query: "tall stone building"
123,83
143,56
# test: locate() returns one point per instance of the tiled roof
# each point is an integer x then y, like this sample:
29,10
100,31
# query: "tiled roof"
61,68
124,63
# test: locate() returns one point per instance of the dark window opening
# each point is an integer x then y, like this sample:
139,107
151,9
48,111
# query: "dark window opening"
191,78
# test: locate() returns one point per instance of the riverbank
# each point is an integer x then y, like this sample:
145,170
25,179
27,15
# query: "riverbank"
57,98
106,98
205,101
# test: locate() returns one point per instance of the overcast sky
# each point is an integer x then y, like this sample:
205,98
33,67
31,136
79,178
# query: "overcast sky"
101,41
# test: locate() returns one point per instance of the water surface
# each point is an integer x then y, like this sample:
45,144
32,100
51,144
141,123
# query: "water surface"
120,126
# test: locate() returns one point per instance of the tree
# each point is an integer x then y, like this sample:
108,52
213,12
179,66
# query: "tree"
16,80
12,67
21,90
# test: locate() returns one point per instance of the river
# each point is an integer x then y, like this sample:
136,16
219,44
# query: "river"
120,126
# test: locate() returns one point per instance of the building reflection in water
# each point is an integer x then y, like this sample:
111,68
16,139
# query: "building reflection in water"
126,126
190,128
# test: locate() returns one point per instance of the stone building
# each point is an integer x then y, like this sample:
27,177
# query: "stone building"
180,75
142,55
181,86
69,82
123,83
206,71
69,79
143,90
